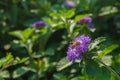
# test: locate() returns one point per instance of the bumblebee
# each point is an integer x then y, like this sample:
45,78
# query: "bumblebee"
74,44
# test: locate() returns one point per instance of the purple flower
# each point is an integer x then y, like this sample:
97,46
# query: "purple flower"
38,23
77,48
90,25
85,20
69,4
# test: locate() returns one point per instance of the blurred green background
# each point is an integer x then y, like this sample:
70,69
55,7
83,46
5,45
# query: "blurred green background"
33,54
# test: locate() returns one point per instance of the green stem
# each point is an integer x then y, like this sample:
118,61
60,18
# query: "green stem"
37,72
32,60
109,68
85,70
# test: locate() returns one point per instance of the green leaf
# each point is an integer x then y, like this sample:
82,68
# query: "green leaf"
18,60
23,60
107,60
49,51
78,17
2,78
117,68
2,61
92,68
70,13
55,15
35,37
33,77
27,33
59,76
20,71
95,43
107,50
4,74
6,60
77,78
63,63
72,26
9,59
108,10
17,34
22,34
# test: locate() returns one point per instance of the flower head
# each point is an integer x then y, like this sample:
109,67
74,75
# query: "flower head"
78,48
39,23
85,20
69,4
90,25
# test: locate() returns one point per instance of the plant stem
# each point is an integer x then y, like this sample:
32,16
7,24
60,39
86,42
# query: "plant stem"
85,70
32,60
109,68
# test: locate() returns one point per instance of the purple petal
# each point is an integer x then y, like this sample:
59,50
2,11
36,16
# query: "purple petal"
85,20
78,50
38,23
69,4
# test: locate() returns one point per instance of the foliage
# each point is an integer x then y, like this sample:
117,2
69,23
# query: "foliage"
40,53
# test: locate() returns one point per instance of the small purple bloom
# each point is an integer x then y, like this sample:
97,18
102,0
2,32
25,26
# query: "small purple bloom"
77,48
69,4
85,20
90,25
38,23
